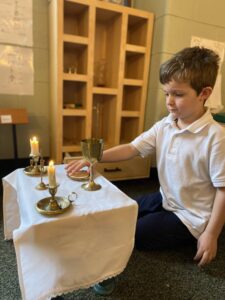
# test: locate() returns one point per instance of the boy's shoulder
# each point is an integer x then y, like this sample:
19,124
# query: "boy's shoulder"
214,133
217,128
164,122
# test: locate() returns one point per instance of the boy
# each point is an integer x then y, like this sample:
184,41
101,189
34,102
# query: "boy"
190,155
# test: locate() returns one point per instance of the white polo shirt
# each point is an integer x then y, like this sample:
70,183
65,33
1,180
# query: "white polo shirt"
191,165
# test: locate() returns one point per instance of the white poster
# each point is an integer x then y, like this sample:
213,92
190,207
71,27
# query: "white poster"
16,22
214,102
216,46
16,70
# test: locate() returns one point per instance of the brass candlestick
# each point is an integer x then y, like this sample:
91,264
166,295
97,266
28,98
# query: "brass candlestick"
34,169
53,204
34,164
42,186
92,151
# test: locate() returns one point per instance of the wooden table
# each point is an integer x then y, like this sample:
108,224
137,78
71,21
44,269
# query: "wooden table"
12,116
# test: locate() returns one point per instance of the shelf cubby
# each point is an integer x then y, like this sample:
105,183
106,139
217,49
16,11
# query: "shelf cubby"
137,30
107,47
74,94
129,129
134,65
103,116
131,98
75,18
74,58
73,130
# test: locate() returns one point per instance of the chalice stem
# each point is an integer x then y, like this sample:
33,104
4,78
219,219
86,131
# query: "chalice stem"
91,173
92,152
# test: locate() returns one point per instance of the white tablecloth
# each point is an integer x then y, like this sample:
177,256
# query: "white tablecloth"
90,242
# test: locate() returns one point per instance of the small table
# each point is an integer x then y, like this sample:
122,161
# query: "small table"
13,116
87,244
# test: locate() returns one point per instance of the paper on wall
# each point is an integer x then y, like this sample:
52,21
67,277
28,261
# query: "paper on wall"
214,102
16,22
216,46
16,70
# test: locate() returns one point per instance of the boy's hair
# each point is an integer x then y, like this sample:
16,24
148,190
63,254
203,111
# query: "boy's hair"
194,65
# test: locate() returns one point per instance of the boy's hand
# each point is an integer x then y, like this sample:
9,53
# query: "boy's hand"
76,165
207,248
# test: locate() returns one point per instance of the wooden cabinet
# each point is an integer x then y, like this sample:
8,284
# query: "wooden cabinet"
99,56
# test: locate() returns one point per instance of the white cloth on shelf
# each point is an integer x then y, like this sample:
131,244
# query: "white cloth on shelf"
89,243
214,102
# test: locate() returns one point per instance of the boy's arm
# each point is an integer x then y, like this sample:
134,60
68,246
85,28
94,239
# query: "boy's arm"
207,242
117,153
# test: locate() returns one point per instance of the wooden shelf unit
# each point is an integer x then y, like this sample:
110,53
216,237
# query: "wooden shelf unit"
99,55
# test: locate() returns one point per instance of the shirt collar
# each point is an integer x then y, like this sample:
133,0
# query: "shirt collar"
197,125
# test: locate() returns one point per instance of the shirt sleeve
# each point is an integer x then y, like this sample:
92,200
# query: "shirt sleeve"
145,143
217,163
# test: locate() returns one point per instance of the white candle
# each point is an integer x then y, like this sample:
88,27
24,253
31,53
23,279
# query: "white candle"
34,145
51,174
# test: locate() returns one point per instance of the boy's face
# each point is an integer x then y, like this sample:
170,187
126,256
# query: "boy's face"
182,101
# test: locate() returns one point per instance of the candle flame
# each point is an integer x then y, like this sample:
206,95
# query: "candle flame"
34,139
51,163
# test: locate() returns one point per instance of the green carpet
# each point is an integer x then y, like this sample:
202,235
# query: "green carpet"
149,275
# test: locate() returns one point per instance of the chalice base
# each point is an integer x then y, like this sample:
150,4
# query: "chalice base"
91,186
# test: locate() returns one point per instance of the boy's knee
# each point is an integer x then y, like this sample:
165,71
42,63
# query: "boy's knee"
140,242
147,239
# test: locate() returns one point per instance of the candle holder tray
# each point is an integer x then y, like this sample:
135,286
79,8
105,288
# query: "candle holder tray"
43,207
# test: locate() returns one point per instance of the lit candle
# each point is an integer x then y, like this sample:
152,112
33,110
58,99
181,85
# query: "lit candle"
51,174
34,145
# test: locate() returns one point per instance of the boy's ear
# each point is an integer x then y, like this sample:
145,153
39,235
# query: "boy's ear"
206,92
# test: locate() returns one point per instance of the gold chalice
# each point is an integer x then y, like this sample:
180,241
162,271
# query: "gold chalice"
92,151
